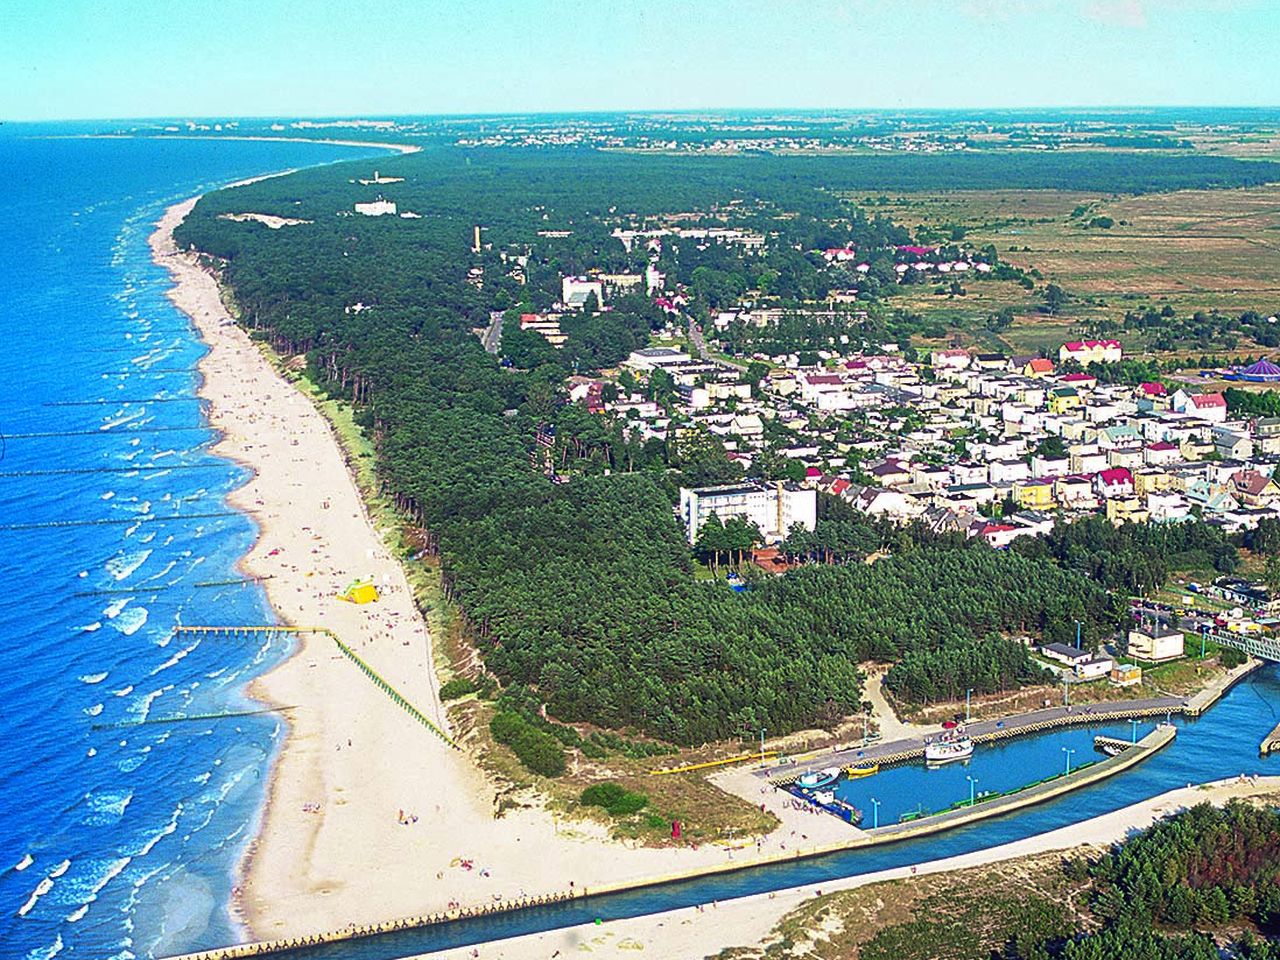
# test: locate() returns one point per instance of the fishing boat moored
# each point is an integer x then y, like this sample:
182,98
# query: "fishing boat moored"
948,750
816,781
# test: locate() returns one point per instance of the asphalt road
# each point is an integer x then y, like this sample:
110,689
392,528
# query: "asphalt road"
856,754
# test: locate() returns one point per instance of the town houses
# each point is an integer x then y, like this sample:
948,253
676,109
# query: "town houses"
996,447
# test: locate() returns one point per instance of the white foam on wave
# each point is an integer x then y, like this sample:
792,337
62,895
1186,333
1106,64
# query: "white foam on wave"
94,677
26,861
46,953
90,627
108,495
141,707
43,887
169,566
94,710
124,691
130,621
112,610
107,807
84,891
176,658
125,564
110,422
170,826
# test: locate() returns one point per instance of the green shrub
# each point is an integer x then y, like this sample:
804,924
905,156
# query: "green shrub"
539,752
616,799
1231,657
457,687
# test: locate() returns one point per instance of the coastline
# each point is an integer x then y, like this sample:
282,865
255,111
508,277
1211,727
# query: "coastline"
332,848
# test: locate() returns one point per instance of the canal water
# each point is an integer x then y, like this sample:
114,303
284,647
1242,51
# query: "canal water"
916,788
1222,743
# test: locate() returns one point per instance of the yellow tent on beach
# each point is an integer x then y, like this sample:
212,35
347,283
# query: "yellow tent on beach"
359,591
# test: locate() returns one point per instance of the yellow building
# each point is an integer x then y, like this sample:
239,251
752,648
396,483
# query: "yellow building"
1151,481
1063,400
1034,494
1126,674
1126,510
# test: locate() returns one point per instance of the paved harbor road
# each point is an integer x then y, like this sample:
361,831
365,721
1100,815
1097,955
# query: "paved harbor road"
1009,726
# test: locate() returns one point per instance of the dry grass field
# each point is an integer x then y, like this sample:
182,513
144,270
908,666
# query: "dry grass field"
1190,249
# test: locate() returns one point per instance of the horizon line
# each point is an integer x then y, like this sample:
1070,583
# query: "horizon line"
648,111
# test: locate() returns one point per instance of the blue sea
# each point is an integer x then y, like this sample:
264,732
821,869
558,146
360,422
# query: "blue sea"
119,831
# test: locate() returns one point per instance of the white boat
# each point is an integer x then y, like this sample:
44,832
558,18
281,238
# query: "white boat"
823,778
947,751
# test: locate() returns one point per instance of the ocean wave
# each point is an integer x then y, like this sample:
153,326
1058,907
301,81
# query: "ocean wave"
90,627
176,658
108,807
122,566
84,890
170,826
94,677
130,621
46,952
94,710
108,495
43,887
112,610
124,691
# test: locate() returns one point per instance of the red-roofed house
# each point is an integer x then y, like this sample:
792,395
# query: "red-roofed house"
1253,489
1210,406
1081,381
1113,483
1085,352
1156,454
1038,367
1152,389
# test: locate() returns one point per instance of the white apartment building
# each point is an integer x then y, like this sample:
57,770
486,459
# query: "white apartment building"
773,507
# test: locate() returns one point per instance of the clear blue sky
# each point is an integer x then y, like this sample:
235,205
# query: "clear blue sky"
69,59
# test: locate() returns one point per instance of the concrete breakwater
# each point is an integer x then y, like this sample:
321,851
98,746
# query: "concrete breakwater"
857,839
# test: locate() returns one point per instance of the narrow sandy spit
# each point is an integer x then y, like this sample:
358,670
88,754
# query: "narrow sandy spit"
701,932
333,849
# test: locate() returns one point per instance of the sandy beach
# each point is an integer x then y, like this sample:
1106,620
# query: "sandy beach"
334,847
692,932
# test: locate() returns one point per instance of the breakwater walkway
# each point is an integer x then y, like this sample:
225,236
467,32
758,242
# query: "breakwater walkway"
1161,737
981,731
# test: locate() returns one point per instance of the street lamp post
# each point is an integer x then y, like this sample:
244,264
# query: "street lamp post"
1066,693
1068,751
1134,725
762,746
875,813
1204,633
1077,634
972,782
967,694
